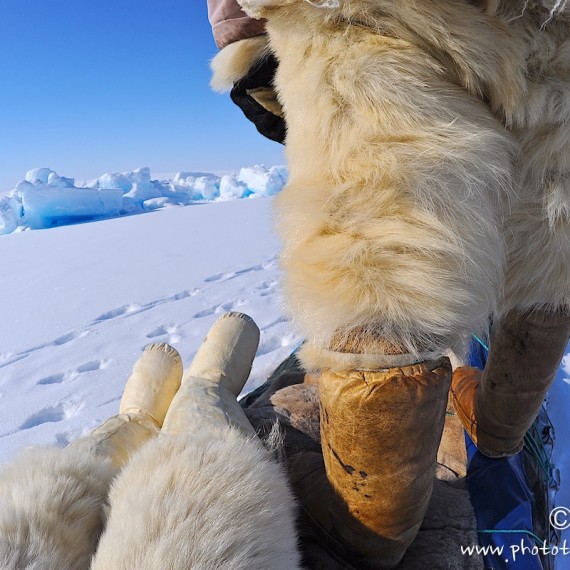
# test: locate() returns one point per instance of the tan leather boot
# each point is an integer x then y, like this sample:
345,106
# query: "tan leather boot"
498,406
380,432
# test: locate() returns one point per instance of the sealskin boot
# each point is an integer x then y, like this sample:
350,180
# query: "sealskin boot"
380,432
499,405
151,387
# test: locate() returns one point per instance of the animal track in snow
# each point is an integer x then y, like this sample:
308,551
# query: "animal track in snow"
64,339
8,358
233,274
135,309
267,288
219,277
92,366
47,415
53,379
274,342
170,331
13,358
204,313
162,330
71,375
118,312
223,308
52,414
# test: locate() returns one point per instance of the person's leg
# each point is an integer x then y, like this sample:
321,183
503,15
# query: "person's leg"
531,335
205,493
392,253
54,501
151,387
499,405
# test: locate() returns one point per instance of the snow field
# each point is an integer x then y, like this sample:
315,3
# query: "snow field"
81,302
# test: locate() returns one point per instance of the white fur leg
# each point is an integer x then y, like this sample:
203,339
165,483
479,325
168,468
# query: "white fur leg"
538,228
210,498
391,218
52,509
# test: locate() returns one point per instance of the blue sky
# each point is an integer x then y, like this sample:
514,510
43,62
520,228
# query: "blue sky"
94,86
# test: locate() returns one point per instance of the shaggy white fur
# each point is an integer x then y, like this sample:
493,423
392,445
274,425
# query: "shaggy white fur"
537,228
390,221
235,60
210,499
52,509
402,191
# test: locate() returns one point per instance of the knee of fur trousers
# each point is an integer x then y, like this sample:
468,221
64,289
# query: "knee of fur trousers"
390,283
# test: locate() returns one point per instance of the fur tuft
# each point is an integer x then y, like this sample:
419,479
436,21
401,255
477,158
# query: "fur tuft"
53,507
537,228
171,506
234,61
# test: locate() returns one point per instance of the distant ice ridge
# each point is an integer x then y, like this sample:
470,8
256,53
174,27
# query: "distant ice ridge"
45,199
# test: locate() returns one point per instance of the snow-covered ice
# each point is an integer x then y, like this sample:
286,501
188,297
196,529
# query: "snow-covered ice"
44,199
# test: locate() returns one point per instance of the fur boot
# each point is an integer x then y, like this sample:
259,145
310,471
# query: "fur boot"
205,494
498,407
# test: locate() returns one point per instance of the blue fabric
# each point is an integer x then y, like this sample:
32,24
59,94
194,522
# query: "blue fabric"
502,500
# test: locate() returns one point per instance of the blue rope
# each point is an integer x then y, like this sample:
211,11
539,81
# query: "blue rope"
481,342
515,531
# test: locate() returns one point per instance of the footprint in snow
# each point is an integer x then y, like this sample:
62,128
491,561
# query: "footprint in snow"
219,277
118,312
52,414
274,342
233,274
71,375
223,308
267,288
204,313
168,331
53,379
64,339
92,366
68,337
